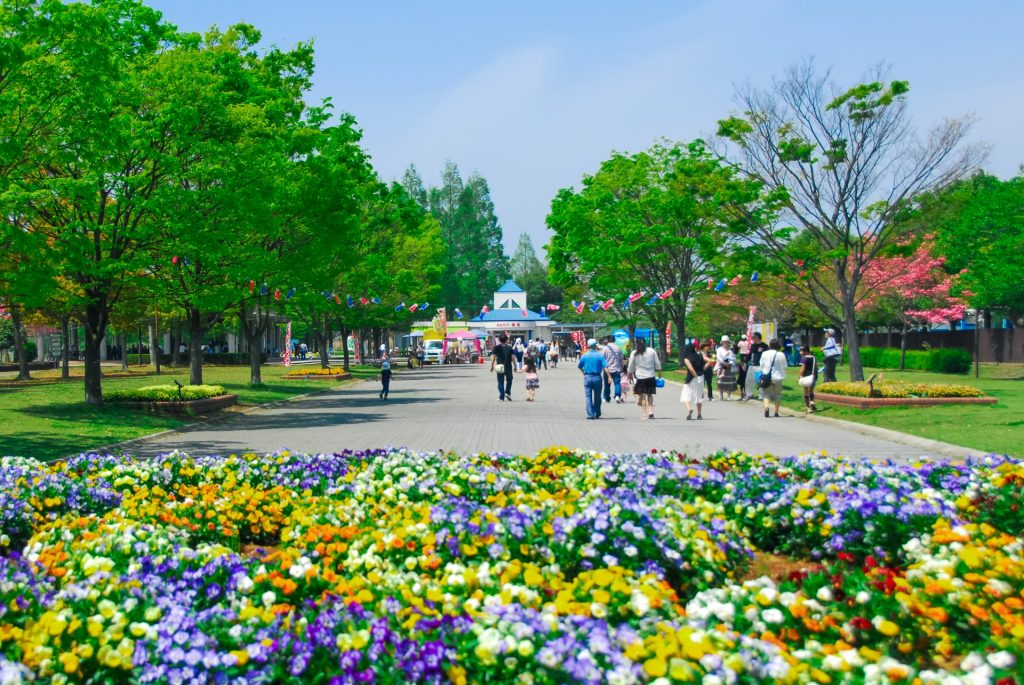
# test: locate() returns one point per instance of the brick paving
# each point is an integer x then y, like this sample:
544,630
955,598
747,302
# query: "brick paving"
456,407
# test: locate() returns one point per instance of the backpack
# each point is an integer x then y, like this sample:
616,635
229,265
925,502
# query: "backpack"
385,365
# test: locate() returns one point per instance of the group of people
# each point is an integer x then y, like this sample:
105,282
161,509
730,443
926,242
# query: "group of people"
756,368
605,370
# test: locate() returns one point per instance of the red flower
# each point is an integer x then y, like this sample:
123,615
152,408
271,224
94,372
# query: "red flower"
870,562
860,623
845,556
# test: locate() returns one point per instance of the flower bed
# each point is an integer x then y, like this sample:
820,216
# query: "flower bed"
563,567
314,374
898,393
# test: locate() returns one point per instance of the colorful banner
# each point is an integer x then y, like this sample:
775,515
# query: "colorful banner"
442,314
750,325
668,338
288,345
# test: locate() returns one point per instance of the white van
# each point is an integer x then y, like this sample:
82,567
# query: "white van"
432,351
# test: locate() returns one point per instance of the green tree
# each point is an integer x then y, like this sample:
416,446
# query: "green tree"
979,227
87,189
845,167
474,262
656,221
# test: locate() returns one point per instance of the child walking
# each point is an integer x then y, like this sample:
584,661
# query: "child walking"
385,376
532,380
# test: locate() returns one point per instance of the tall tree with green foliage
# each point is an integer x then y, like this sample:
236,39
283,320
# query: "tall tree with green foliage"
474,261
979,226
89,186
532,275
659,221
845,168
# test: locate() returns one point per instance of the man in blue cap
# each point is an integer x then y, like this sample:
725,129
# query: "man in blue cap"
594,367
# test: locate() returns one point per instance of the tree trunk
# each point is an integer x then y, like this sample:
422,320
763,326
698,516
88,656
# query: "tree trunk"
95,329
152,347
903,347
679,323
65,353
344,346
659,329
20,340
852,342
175,345
196,331
324,327
253,329
75,343
122,343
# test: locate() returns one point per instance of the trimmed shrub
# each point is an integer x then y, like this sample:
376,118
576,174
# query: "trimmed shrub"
164,393
936,360
317,372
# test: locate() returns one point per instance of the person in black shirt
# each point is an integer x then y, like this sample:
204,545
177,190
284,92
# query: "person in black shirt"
808,367
757,348
693,391
503,357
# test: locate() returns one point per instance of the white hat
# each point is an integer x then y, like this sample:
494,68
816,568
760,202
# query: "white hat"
830,331
591,343
725,338
743,337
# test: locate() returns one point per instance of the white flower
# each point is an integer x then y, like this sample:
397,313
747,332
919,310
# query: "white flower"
824,594
863,597
772,616
1002,660
268,598
639,602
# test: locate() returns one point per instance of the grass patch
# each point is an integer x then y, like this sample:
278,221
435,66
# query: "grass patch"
991,428
50,419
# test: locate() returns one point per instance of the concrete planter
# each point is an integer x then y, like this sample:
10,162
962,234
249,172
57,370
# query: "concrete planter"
875,402
344,376
191,407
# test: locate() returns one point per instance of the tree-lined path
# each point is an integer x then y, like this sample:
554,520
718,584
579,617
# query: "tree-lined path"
456,407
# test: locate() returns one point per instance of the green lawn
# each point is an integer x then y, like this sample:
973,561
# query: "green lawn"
992,428
50,419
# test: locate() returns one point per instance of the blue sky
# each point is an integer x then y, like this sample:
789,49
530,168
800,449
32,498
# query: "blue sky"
533,95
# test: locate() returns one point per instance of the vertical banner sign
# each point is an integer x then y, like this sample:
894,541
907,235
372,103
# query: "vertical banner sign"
668,338
750,325
442,314
357,348
288,345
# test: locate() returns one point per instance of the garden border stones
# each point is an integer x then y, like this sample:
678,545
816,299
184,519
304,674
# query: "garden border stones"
191,407
875,402
343,376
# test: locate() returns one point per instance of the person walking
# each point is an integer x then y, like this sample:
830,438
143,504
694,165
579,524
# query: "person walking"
594,367
532,381
757,349
808,377
693,391
503,360
518,350
385,376
709,368
773,365
832,354
725,367
644,366
542,350
613,355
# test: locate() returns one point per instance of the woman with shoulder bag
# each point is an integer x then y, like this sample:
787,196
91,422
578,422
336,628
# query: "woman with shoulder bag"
644,367
773,372
502,363
808,377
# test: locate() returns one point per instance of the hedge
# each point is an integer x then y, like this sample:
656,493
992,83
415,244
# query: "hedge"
936,360
164,393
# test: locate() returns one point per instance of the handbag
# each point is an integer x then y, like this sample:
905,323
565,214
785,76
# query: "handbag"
765,381
660,383
499,369
808,380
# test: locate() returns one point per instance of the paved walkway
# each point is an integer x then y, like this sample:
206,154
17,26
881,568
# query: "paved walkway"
456,407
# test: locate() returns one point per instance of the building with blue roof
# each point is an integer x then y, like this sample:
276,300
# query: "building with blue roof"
511,313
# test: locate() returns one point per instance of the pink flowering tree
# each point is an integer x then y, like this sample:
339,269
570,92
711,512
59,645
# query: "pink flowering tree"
913,290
